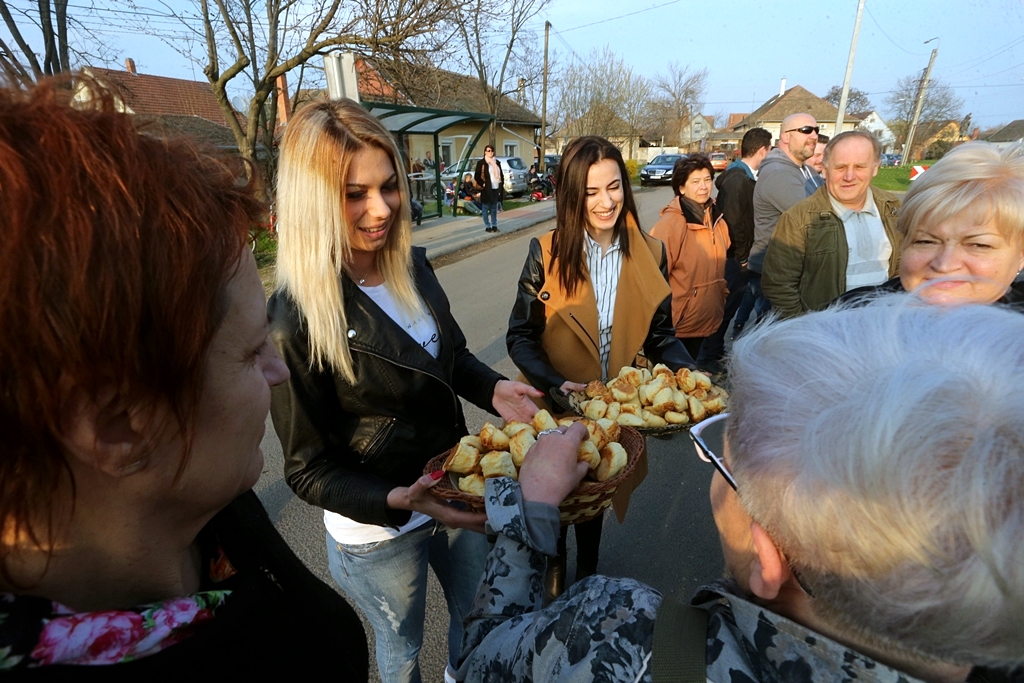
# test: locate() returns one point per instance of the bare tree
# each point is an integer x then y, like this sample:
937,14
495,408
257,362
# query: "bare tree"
681,94
856,100
491,32
258,45
62,41
940,104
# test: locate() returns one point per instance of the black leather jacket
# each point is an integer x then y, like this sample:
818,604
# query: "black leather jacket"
347,445
527,320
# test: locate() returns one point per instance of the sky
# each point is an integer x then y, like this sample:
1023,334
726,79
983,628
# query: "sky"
749,47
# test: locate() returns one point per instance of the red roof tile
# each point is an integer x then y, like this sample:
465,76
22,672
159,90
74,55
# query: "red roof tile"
159,95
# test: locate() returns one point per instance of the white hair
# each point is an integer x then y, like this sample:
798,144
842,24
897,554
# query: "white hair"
882,448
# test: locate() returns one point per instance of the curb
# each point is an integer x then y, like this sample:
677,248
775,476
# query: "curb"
456,234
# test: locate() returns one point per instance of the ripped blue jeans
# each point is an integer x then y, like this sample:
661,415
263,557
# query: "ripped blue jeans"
388,582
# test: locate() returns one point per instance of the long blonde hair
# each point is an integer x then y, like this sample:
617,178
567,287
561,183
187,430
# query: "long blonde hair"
313,240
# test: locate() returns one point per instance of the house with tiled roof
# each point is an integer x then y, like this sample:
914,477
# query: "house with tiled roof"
871,122
734,119
932,139
167,106
796,100
599,120
1008,134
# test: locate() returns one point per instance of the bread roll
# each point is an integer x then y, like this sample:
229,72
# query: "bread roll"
629,408
674,418
514,427
702,380
493,438
679,402
631,375
463,459
596,389
589,454
696,409
630,420
645,375
663,402
655,421
699,394
613,410
596,409
473,484
565,421
611,428
662,369
623,391
498,464
714,406
685,381
519,445
472,440
542,420
613,461
598,436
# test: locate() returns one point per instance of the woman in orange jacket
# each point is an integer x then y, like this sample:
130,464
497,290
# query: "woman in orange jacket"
696,238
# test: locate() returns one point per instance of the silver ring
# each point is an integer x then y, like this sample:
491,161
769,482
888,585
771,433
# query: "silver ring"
549,431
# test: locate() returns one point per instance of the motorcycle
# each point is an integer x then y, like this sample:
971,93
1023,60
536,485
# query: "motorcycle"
541,187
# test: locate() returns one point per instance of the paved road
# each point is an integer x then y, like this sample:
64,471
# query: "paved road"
668,538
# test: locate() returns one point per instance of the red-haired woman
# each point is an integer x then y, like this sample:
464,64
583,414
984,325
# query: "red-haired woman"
592,295
136,377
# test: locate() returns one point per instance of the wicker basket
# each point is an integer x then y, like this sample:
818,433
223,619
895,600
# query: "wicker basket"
585,503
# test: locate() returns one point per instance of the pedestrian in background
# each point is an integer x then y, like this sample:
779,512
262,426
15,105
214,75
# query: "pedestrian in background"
696,241
592,295
736,201
377,364
489,178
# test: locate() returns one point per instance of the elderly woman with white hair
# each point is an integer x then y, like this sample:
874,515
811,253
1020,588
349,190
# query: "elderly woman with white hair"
870,503
963,230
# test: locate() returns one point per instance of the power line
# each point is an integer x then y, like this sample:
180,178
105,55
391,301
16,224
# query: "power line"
622,16
1010,44
995,54
916,54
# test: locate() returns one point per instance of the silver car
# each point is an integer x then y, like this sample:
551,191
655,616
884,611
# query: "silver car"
514,169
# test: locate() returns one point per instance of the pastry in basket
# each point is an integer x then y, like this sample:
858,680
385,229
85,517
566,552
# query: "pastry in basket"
492,438
464,459
514,427
498,464
613,460
473,484
596,409
520,444
589,454
543,420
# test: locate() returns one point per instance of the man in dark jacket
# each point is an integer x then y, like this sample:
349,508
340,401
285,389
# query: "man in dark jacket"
736,200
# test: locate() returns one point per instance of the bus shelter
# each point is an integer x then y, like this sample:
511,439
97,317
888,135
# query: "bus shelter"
402,120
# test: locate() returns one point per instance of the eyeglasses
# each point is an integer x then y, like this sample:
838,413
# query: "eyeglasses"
806,130
705,453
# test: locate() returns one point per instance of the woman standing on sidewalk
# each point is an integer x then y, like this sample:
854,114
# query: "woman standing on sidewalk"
377,367
490,180
595,269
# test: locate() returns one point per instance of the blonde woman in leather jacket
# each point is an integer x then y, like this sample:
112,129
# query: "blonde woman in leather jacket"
378,365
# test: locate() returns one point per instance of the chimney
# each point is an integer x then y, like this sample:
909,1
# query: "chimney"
284,102
129,66
782,88
975,133
522,90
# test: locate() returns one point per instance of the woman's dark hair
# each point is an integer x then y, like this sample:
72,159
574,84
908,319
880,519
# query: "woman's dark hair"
686,166
571,217
118,246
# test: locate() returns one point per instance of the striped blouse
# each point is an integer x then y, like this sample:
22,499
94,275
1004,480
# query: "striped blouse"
604,276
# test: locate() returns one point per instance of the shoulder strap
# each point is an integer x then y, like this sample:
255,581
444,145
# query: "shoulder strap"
680,643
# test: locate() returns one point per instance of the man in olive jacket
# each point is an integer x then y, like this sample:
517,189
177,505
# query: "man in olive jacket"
841,237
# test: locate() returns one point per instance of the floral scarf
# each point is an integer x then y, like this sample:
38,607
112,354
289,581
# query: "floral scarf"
38,632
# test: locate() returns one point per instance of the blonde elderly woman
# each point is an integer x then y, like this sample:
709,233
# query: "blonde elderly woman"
869,503
963,230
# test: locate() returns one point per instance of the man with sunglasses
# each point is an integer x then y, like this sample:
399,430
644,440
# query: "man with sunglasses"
782,181
869,518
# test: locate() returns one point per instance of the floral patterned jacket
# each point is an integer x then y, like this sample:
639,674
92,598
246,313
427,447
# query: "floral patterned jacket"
602,629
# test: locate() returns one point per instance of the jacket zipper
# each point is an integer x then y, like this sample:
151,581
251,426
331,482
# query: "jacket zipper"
378,439
575,320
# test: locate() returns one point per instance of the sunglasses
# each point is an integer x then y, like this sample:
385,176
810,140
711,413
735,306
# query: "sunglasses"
806,130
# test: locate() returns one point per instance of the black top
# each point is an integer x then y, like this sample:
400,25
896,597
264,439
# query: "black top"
736,199
279,619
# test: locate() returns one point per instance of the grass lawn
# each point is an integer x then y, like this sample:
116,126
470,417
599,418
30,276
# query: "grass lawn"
893,178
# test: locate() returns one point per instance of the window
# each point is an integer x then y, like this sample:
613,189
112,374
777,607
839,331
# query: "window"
446,153
517,164
511,149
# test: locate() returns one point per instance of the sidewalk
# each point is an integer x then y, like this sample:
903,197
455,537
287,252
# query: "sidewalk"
449,234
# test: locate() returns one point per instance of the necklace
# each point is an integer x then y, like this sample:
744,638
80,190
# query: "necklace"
361,280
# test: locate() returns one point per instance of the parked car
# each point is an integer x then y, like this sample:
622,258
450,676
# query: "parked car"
514,169
551,162
719,161
891,159
659,169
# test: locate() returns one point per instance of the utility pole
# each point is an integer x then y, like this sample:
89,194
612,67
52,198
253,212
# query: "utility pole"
849,69
544,106
908,148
